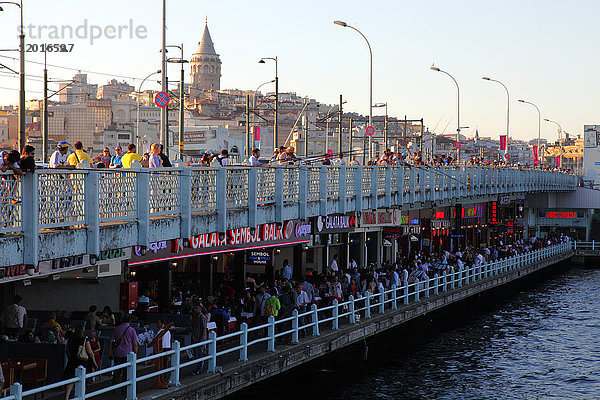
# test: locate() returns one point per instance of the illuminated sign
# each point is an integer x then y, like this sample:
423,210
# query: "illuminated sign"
561,214
471,212
494,214
259,257
414,221
322,224
378,217
439,215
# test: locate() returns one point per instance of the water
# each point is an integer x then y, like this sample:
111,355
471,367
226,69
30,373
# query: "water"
542,342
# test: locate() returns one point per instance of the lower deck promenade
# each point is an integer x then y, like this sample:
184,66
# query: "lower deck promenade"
243,358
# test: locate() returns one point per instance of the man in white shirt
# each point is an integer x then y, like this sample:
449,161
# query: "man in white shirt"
58,159
287,271
255,158
334,265
394,277
352,264
14,317
309,289
301,303
223,158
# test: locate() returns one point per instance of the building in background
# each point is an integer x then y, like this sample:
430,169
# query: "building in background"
206,66
77,91
114,90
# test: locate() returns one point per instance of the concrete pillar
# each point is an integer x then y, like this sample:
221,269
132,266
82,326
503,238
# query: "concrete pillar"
379,247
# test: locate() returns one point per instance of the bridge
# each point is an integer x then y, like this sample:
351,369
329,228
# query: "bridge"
51,214
238,359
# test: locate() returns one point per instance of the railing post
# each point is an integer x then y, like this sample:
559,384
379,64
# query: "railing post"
279,194
417,290
322,190
400,184
367,304
30,218
342,189
358,188
294,326
92,211
352,315
394,297
271,332
336,311
427,287
175,361
131,377
388,187
436,282
212,351
185,202
142,181
445,281
593,244
222,199
374,186
381,302
16,389
315,320
460,277
253,196
405,284
244,342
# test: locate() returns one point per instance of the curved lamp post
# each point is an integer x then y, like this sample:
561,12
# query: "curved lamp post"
559,139
275,127
539,125
137,123
345,25
485,78
434,68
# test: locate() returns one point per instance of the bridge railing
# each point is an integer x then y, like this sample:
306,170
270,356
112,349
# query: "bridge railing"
84,197
293,328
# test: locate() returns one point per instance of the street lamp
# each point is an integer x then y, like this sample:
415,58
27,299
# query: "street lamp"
559,138
345,25
276,128
434,68
539,124
137,132
181,98
21,138
485,78
254,109
385,126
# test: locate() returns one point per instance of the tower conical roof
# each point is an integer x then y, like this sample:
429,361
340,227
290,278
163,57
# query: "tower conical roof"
206,45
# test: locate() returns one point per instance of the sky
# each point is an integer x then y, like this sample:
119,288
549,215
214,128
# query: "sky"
545,52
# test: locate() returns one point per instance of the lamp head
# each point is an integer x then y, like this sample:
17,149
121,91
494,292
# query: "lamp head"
261,61
521,101
434,68
546,119
485,78
1,9
340,23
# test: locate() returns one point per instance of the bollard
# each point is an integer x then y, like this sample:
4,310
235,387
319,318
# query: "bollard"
352,315
131,376
381,303
436,282
212,351
334,321
394,297
406,292
175,361
244,342
367,305
271,332
315,320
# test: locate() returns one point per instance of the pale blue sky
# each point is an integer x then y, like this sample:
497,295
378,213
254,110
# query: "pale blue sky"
544,51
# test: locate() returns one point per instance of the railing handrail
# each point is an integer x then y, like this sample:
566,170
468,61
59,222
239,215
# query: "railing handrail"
445,282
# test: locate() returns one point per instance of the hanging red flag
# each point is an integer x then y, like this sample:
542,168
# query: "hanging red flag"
503,142
536,161
558,161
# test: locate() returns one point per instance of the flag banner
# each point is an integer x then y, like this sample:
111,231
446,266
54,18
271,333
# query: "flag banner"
536,161
558,161
257,133
503,142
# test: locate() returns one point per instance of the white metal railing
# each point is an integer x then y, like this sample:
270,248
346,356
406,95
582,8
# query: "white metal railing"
312,321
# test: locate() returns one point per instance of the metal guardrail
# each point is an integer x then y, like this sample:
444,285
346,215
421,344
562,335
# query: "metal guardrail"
313,321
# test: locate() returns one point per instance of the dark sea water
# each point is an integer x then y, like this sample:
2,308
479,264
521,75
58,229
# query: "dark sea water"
537,340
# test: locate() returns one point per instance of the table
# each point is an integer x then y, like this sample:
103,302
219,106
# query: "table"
19,367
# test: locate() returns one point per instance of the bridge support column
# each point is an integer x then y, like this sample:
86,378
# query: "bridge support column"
30,212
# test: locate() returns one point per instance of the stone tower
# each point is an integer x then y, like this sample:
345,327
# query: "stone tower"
206,65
